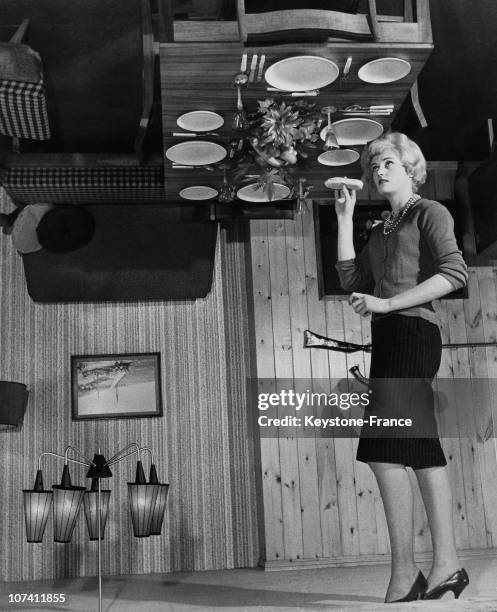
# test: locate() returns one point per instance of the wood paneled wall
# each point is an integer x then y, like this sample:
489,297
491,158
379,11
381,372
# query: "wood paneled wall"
321,506
201,443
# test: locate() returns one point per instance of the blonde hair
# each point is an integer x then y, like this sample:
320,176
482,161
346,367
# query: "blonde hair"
409,154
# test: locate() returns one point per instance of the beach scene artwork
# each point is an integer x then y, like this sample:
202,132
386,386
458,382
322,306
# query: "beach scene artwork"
116,386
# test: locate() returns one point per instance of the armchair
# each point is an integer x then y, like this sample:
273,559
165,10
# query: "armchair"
23,106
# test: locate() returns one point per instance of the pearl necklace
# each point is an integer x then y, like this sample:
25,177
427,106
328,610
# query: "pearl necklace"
393,221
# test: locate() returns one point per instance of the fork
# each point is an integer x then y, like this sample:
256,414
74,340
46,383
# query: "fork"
379,107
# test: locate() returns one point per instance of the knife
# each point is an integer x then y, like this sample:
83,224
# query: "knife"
261,67
311,92
194,134
243,65
346,68
298,94
253,64
366,112
186,167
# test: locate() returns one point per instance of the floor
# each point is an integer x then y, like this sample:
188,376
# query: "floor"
347,589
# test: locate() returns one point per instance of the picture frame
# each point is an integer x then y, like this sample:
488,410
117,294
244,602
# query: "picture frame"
116,386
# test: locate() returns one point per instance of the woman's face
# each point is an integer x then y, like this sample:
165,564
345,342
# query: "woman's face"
389,175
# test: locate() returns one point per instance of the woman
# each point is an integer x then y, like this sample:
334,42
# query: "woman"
412,258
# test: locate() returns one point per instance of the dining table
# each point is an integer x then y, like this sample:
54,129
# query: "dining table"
199,76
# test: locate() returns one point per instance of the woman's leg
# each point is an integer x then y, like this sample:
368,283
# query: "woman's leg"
437,497
396,494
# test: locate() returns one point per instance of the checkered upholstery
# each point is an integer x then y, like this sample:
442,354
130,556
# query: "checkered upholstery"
23,110
72,185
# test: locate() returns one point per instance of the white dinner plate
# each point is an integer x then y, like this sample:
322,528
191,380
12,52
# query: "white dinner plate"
384,70
200,121
198,192
356,131
301,73
338,157
196,153
250,194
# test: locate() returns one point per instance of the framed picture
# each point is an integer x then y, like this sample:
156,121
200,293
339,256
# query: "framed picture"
116,386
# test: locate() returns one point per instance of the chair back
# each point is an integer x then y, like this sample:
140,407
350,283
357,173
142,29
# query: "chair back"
90,184
256,27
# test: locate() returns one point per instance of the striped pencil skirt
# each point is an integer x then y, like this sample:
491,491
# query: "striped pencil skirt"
405,358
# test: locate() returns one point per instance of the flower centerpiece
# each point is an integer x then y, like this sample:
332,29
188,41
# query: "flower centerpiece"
277,142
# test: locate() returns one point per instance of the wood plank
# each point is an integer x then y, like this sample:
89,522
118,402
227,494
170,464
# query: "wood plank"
488,450
280,306
424,558
482,413
471,470
269,447
365,483
344,447
302,374
383,540
447,416
325,446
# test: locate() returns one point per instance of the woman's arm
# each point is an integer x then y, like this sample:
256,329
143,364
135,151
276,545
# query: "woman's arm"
354,273
344,209
432,288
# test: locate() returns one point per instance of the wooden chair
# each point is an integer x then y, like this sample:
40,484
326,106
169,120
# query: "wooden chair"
324,22
413,27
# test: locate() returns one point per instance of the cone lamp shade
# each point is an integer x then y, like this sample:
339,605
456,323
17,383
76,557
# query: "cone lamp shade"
159,510
37,504
66,507
142,498
160,504
13,401
90,503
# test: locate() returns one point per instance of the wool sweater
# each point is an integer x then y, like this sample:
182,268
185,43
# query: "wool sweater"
422,245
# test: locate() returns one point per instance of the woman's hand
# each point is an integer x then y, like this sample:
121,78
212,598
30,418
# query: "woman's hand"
365,304
344,202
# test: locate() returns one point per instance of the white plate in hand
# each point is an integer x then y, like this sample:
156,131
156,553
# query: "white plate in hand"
200,121
250,193
384,70
301,73
356,131
198,192
196,153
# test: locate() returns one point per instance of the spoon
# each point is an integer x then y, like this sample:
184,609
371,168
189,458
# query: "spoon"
240,80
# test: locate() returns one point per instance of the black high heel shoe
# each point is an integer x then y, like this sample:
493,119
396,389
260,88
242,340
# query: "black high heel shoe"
456,583
417,590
